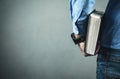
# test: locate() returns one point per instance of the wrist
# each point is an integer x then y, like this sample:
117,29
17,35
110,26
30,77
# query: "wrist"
77,38
77,35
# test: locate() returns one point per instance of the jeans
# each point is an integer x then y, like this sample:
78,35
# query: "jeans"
108,63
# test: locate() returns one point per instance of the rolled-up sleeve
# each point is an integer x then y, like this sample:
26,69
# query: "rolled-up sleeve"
79,10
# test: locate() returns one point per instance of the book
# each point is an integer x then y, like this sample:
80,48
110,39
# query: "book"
93,28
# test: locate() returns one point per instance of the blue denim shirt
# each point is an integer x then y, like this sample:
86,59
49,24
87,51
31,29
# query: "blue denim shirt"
79,10
110,27
110,32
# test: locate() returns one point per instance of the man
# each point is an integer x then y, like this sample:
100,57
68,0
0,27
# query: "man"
108,60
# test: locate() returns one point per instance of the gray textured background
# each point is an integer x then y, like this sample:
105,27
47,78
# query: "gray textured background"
35,41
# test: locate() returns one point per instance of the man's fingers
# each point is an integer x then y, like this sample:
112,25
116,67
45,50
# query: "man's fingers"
82,47
97,49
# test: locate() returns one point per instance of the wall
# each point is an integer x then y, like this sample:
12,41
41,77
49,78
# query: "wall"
35,41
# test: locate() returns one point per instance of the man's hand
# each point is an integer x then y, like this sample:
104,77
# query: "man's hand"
82,47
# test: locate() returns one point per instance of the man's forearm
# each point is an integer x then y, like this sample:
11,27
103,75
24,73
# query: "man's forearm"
79,10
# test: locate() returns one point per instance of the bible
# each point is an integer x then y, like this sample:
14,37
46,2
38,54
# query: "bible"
93,28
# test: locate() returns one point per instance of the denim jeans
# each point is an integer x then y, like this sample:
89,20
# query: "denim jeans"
108,63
